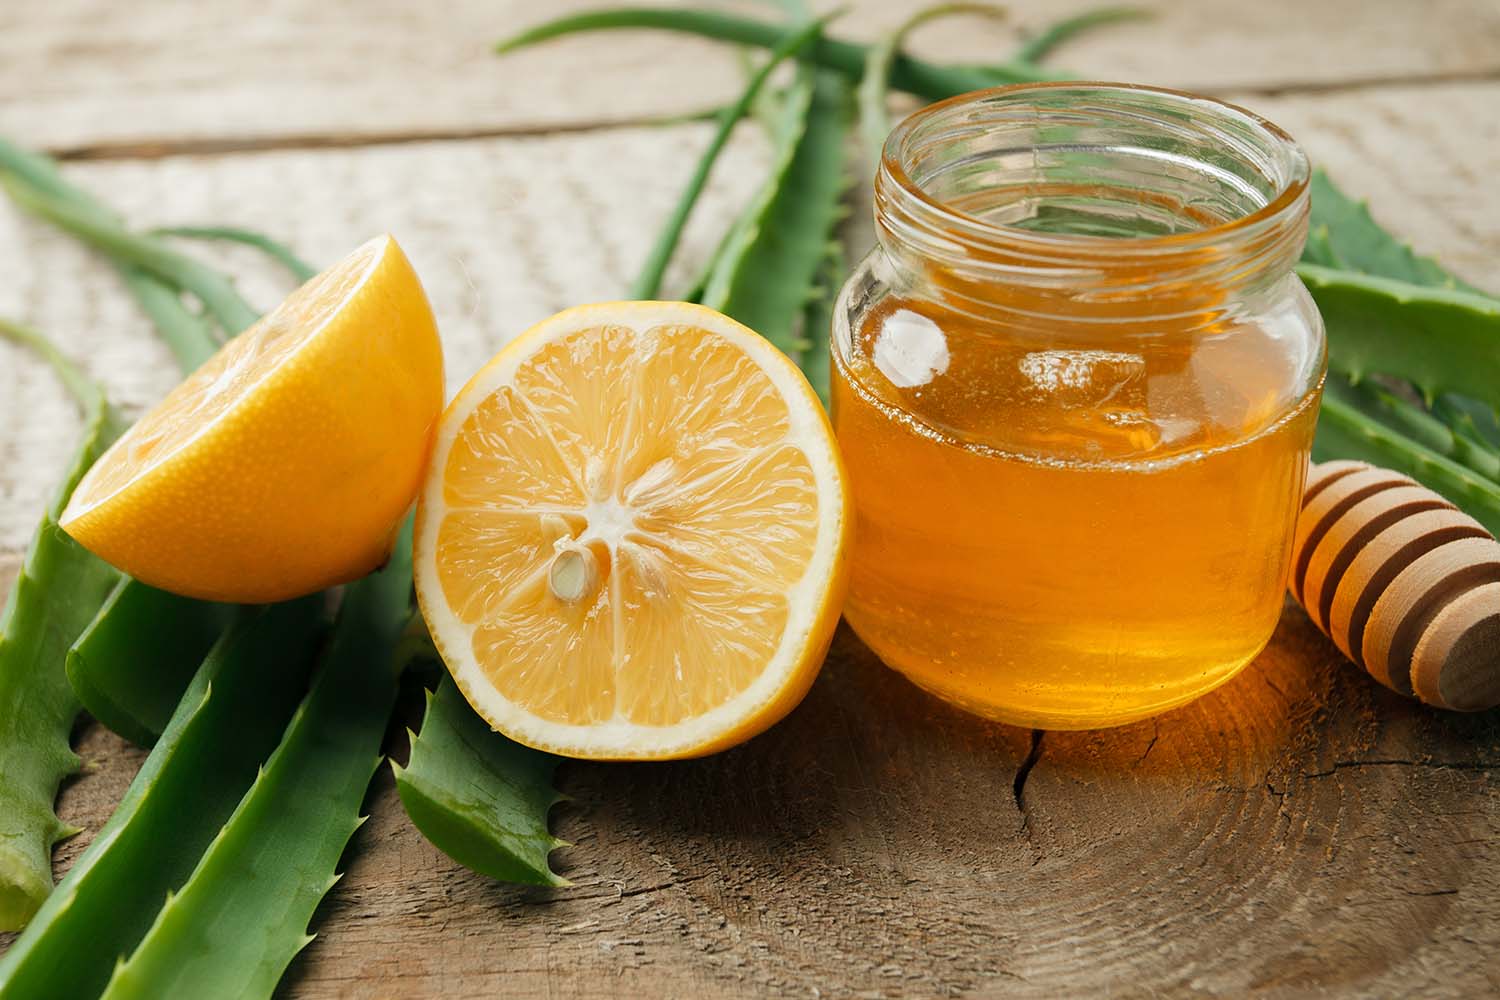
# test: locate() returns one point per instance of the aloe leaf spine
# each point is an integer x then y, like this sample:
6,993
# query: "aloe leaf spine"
478,797
234,926
1441,340
769,271
648,283
226,725
58,591
133,662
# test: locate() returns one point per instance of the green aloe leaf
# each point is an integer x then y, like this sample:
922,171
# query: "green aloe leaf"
769,269
1350,238
227,724
913,76
648,284
480,798
57,593
784,115
817,323
132,663
234,926
875,80
1378,403
35,184
1441,340
1345,432
276,250
1044,42
1344,235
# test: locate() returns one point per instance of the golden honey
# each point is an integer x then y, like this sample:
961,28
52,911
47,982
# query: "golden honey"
1076,396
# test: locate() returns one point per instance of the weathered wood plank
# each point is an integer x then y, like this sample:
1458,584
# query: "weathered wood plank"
1425,157
1301,831
505,231
89,74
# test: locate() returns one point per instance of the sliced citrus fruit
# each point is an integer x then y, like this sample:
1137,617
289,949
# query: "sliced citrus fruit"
286,461
630,543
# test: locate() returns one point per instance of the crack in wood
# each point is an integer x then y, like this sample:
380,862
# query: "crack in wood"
1434,765
1018,790
1349,85
1155,735
669,884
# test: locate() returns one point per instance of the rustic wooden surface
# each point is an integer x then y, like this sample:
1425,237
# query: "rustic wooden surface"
1299,832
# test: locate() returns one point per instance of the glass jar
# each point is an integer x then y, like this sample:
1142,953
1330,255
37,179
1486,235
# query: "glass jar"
1075,387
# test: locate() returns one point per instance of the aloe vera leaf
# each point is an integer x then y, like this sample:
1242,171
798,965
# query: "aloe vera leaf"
40,174
1416,423
785,123
36,184
275,249
212,288
875,80
817,323
1040,45
478,797
227,723
1469,419
1345,432
1441,340
1319,248
769,271
914,76
783,114
132,663
648,284
1359,243
234,926
58,590
134,660
189,336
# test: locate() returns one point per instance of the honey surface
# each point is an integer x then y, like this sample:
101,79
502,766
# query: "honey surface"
1070,532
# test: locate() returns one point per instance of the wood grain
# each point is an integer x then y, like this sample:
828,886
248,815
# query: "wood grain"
1301,831
503,232
215,75
506,230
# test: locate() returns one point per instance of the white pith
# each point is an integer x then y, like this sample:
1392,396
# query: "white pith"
609,522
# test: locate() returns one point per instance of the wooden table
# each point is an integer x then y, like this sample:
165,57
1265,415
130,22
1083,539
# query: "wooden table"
1300,832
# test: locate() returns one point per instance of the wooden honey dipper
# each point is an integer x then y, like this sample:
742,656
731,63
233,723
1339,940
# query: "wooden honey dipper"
1406,584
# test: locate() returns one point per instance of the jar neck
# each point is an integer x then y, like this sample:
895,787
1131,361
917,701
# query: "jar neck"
1090,203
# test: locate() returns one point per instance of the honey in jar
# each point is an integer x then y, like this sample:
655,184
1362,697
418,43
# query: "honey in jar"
1075,387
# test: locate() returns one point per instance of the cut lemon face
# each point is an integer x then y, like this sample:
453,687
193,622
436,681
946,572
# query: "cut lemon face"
630,544
283,464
